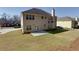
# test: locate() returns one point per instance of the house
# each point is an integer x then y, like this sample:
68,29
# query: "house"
67,22
37,20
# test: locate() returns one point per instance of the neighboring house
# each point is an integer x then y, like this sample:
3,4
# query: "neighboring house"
37,19
67,22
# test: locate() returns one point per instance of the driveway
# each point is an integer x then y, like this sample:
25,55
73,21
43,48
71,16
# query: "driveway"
5,30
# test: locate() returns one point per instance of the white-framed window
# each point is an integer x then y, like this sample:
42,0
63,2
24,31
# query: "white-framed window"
43,17
50,21
28,27
44,25
27,17
30,17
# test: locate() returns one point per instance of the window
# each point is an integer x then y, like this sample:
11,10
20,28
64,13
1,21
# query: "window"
27,17
42,17
44,25
45,17
48,21
28,27
30,17
51,21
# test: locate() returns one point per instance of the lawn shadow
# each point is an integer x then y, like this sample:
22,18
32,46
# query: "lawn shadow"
57,30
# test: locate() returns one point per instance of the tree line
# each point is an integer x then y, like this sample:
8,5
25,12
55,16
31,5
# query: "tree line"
9,21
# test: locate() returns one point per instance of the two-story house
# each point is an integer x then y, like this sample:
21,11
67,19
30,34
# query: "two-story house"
37,20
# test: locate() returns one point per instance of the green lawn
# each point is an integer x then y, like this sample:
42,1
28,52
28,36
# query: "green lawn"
26,42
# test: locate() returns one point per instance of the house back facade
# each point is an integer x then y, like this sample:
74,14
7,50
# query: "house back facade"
37,20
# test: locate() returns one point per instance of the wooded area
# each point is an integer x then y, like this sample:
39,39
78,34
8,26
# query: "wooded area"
9,21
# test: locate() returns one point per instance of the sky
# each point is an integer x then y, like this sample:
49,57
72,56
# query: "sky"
60,11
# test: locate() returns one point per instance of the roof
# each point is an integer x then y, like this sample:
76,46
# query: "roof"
65,19
37,11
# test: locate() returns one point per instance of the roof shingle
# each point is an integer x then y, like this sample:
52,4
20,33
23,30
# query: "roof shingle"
36,11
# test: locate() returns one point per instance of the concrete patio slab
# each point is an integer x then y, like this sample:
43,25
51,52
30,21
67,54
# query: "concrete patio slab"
39,33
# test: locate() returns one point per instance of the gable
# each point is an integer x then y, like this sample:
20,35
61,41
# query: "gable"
36,11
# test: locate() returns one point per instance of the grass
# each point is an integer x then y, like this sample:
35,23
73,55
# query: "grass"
26,42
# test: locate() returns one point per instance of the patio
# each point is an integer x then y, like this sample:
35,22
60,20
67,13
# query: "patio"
39,33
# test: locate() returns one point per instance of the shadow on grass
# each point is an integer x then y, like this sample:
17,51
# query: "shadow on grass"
55,31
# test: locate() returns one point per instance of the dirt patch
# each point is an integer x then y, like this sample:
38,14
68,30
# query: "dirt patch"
75,45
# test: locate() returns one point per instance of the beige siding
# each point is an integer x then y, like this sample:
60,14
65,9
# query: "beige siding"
65,24
22,26
42,24
78,23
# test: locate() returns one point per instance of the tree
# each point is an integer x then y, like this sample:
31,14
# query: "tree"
16,21
4,19
7,20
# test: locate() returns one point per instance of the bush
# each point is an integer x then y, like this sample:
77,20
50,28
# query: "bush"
17,26
58,27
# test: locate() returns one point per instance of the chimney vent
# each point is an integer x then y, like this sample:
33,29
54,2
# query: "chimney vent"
76,18
53,12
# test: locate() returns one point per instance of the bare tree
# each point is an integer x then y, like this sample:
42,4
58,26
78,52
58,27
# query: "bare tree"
16,21
7,20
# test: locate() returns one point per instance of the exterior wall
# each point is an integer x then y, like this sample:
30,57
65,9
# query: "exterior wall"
42,24
78,23
75,24
22,23
65,24
54,21
0,25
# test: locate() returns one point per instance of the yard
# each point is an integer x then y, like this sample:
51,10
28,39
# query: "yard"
16,41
